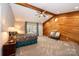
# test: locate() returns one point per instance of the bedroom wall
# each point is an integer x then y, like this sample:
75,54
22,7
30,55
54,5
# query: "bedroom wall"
20,27
7,16
67,24
40,27
50,26
7,20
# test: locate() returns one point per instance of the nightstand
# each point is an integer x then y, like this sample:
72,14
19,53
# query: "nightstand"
9,49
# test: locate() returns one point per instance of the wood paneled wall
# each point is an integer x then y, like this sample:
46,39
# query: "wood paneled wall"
67,24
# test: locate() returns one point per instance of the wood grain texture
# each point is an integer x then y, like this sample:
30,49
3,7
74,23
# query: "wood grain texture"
67,24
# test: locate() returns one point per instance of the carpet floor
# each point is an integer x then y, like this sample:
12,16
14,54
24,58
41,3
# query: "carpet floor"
49,47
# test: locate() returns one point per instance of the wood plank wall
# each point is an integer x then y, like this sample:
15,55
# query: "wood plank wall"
67,24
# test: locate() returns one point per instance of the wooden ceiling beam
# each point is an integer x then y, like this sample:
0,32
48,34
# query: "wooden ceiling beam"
35,8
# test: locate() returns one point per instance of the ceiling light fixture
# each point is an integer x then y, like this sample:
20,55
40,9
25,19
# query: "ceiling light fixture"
41,14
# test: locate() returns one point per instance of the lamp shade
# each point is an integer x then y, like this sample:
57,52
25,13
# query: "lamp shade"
5,37
11,29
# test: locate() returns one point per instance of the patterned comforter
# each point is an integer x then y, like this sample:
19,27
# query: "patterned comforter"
25,37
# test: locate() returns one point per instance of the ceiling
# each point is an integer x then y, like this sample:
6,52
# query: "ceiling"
58,8
22,13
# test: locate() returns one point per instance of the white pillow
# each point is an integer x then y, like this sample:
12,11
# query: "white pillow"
55,34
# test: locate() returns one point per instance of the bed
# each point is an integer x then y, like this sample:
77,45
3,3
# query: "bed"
25,40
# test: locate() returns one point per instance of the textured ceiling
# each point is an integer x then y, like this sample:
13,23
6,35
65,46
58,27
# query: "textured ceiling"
58,8
26,14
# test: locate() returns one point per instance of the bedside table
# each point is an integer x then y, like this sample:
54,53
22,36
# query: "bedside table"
9,49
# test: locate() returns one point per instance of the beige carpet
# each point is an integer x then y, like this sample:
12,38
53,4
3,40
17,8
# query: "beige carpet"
49,47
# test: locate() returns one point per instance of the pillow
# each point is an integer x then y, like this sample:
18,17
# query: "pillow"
55,34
